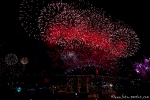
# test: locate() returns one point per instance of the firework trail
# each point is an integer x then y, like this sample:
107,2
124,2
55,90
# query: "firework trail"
81,28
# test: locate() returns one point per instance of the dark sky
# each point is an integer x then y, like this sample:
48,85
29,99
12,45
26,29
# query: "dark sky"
14,40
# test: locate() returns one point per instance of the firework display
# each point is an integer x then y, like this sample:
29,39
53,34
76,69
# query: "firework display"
93,29
11,63
24,61
143,68
78,33
19,68
11,59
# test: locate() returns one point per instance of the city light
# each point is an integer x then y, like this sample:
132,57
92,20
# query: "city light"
18,89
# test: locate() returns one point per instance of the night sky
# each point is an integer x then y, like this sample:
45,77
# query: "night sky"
13,38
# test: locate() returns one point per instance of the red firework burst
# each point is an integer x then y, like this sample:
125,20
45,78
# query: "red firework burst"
88,32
